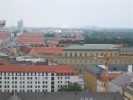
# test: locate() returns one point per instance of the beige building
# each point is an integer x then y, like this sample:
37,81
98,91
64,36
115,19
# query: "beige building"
80,56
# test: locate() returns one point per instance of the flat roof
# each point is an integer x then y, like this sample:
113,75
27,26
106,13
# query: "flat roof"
126,49
91,47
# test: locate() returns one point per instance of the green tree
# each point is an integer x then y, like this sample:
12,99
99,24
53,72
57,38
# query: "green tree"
71,87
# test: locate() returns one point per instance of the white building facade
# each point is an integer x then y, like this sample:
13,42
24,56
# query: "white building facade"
26,81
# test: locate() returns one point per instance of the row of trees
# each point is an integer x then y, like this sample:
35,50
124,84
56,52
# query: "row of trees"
71,87
68,42
128,41
96,40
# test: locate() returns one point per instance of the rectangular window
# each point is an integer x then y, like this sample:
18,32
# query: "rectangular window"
52,78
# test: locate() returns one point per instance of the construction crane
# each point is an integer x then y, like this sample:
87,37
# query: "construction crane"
106,63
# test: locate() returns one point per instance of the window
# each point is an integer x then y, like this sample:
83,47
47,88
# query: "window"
75,54
80,54
46,74
65,54
52,74
52,78
85,54
52,83
70,54
114,68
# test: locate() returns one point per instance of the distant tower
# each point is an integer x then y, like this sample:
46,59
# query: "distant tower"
2,23
20,25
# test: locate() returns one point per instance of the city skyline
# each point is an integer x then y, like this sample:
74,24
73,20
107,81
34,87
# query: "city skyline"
71,13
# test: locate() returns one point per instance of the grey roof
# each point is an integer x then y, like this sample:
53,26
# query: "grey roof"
91,47
118,67
95,69
126,49
114,67
67,96
123,80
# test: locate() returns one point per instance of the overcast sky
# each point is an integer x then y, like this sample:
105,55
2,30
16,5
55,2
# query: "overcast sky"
43,13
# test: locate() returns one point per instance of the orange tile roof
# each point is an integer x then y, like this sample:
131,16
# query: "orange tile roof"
30,39
31,35
111,76
60,69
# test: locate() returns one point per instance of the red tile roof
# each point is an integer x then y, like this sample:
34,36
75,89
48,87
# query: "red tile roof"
4,35
31,35
30,39
46,50
111,76
60,69
25,49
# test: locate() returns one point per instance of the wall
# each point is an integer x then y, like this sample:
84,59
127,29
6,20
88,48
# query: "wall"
90,81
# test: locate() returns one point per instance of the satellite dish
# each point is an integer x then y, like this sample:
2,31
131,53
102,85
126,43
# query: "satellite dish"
2,23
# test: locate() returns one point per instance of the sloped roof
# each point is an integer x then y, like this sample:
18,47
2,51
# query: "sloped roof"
4,35
30,35
30,39
25,49
44,50
70,96
54,50
111,76
7,67
123,80
95,69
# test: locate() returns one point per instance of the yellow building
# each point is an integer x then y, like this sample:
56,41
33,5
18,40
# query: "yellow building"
91,75
128,92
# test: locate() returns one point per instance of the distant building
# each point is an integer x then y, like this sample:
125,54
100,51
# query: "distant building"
30,39
62,96
2,23
35,78
80,56
5,38
20,25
